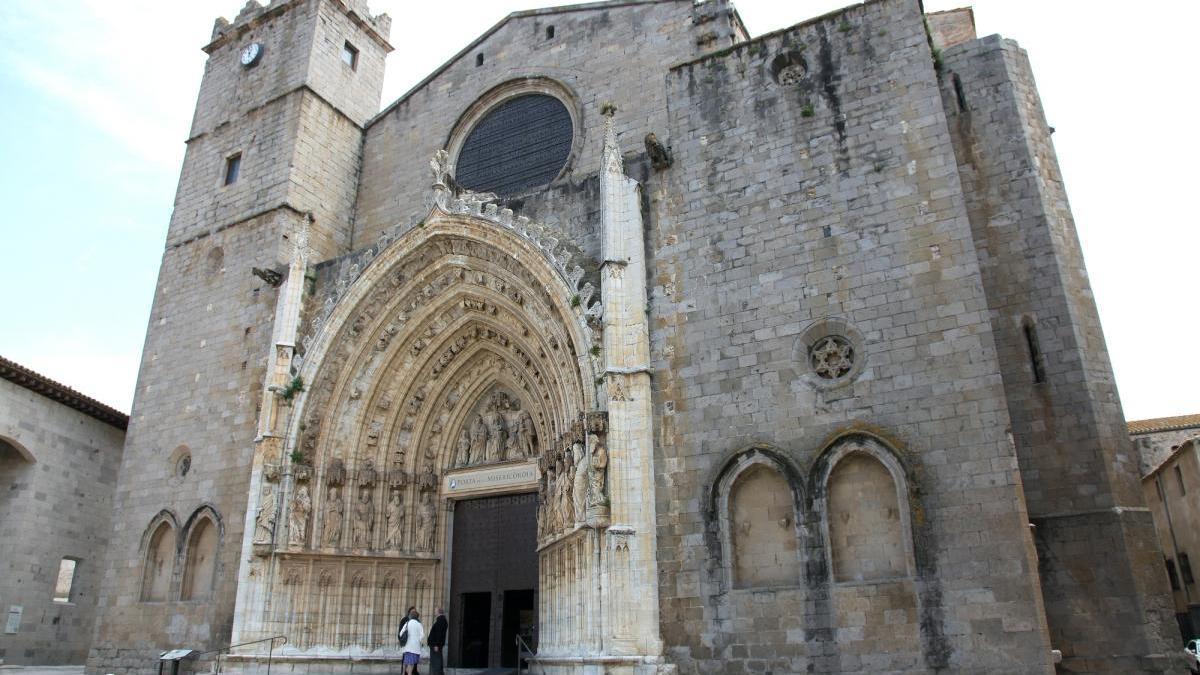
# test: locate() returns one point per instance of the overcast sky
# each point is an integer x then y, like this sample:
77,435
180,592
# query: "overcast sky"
98,97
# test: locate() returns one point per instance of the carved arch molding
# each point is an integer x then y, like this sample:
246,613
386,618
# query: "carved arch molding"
459,345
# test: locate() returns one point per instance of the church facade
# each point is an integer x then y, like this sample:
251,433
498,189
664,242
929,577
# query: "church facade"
634,341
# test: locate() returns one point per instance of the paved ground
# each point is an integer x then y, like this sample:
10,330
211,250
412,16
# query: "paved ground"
42,669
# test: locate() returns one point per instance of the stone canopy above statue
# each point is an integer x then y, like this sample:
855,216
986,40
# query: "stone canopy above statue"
497,430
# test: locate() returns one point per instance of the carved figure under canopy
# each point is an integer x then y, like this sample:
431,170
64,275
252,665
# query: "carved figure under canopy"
566,499
395,522
598,475
264,521
331,533
364,521
426,523
579,489
298,516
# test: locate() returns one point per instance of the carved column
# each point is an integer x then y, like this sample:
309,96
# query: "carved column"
631,578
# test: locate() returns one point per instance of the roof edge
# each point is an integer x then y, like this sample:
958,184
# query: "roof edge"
1160,424
56,391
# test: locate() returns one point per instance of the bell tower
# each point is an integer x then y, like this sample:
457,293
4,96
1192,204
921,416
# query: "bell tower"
272,157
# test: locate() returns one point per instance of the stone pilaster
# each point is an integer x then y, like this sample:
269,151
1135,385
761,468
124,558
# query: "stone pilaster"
631,625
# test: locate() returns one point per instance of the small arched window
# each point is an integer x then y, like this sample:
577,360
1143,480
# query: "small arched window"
199,571
160,563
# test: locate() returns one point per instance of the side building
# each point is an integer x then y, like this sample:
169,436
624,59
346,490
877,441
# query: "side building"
1170,453
59,455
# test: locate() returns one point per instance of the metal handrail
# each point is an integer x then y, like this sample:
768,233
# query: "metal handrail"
270,650
523,648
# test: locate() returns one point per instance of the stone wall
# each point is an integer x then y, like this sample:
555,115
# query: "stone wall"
203,365
591,55
814,195
58,469
1078,468
1154,447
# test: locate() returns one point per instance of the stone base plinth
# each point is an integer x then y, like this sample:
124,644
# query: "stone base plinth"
602,665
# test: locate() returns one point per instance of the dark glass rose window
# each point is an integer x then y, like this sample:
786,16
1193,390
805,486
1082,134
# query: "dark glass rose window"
520,144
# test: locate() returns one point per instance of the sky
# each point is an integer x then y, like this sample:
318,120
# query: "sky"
97,98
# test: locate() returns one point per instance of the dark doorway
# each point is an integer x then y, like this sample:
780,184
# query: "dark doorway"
518,620
476,608
493,580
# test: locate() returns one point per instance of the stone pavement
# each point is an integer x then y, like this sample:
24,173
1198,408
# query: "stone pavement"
42,669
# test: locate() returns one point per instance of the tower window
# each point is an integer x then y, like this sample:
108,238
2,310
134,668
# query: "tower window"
1179,477
1185,569
233,164
478,60
1035,350
66,580
1171,575
549,32
350,55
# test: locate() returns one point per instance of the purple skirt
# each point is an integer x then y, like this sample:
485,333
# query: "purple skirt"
411,659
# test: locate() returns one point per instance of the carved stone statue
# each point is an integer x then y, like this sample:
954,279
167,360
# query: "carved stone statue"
264,521
393,539
331,533
428,480
479,438
363,523
298,516
497,435
550,501
566,491
579,489
427,523
462,454
598,474
526,444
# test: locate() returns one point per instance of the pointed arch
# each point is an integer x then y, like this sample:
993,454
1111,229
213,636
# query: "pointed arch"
202,536
863,500
755,509
447,312
159,553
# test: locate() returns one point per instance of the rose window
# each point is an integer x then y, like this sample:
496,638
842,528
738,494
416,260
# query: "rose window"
791,74
832,357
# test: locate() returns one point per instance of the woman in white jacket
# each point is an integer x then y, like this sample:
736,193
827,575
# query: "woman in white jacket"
415,634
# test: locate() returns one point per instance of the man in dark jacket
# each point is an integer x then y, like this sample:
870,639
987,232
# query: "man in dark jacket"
437,643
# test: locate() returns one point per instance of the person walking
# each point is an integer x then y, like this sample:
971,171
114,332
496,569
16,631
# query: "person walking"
437,643
413,633
402,635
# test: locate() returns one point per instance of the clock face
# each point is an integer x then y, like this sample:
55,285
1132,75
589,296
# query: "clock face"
251,54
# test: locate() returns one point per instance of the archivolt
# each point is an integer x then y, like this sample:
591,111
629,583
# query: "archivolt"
447,312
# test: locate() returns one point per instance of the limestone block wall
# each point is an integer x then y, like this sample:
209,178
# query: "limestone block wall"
58,469
1173,495
814,195
591,54
1079,470
203,366
1154,447
295,118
